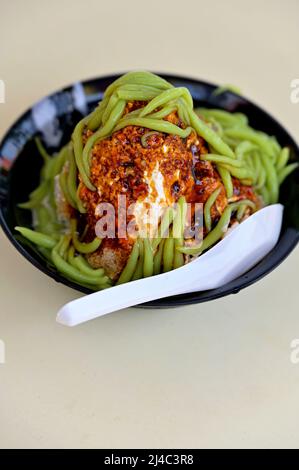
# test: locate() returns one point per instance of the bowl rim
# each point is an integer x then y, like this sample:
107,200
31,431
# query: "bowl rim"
247,279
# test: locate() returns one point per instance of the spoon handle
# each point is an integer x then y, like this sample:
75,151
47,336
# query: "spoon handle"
119,297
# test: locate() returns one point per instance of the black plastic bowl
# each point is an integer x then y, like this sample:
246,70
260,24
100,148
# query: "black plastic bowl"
54,117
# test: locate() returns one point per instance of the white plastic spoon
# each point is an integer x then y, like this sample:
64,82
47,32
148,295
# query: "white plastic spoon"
235,254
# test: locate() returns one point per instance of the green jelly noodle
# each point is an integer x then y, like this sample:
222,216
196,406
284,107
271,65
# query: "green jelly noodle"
235,149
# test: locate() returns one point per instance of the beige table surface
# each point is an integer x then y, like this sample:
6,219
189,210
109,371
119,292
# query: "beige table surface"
212,375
